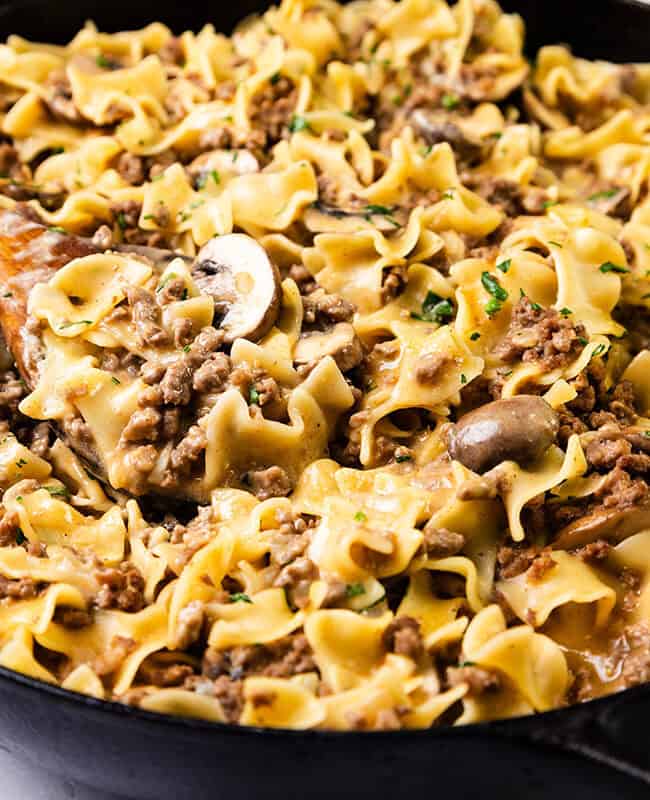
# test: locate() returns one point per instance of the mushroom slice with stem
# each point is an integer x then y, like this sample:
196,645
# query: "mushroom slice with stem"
613,524
435,129
340,341
244,283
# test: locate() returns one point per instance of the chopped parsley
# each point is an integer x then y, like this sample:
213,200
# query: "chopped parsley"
116,381
466,663
463,378
354,590
298,124
646,433
58,491
274,78
549,203
20,463
565,312
474,336
493,287
493,306
609,266
186,348
384,211
253,396
557,244
435,309
450,101
504,266
360,517
185,294
121,221
8,294
602,195
56,229
240,597
20,537
598,350
448,194
164,283
102,61
584,342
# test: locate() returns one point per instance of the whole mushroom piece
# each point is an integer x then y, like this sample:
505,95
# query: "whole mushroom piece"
244,282
517,429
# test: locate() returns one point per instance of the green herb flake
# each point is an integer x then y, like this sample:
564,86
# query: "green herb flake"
102,61
565,312
354,590
360,517
158,177
557,244
609,266
435,309
185,294
493,287
298,124
467,663
643,296
253,396
448,194
8,294
274,78
58,491
240,597
584,342
186,348
20,463
463,378
121,221
646,433
402,459
493,306
215,176
549,203
20,537
116,381
598,350
201,181
56,229
475,336
450,101
602,195
504,266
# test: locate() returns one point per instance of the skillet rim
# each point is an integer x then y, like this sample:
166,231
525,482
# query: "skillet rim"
511,726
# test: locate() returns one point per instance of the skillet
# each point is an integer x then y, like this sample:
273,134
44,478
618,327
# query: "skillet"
600,749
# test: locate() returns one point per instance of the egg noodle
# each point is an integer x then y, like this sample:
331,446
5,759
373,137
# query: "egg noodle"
253,476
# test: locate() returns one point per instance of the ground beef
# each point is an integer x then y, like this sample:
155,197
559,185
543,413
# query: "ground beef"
19,589
403,636
188,450
143,426
270,482
120,587
176,386
296,578
156,672
478,679
594,551
9,528
430,367
213,374
322,310
512,561
113,656
145,313
441,543
230,695
283,658
131,168
10,164
541,335
272,107
74,618
190,624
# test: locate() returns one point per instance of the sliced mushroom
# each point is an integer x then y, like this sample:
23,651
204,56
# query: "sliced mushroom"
236,162
340,341
613,524
517,429
435,129
244,283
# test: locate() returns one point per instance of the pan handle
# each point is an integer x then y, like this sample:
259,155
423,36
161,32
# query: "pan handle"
612,730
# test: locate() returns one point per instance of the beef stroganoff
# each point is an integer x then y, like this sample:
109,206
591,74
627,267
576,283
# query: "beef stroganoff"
326,393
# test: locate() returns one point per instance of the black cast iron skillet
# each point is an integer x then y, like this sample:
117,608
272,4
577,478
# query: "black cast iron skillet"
599,750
